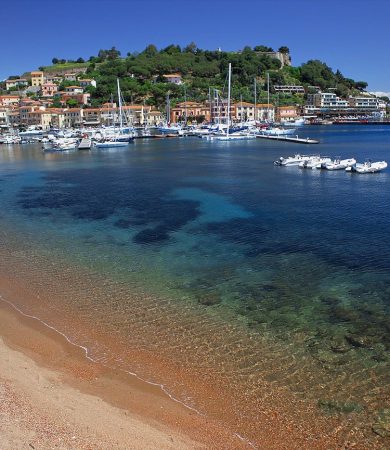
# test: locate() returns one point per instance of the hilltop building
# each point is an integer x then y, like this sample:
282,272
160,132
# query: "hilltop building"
174,78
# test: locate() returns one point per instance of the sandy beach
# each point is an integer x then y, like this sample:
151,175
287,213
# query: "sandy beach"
51,396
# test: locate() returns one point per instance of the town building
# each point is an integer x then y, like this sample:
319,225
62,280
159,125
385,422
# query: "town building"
3,117
81,99
91,116
245,111
326,100
17,83
174,78
48,89
367,103
50,78
70,76
74,89
286,113
73,117
9,100
85,82
289,89
37,78
191,111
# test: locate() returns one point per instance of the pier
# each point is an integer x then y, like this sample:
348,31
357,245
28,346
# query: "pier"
295,139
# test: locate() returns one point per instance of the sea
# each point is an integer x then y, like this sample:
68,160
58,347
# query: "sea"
203,267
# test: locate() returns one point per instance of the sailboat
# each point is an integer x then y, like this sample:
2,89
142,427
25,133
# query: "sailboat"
167,127
232,136
119,139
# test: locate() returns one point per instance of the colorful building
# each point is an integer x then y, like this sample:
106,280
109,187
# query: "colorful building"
37,78
48,89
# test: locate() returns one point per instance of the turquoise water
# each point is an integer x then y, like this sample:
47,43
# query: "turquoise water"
302,256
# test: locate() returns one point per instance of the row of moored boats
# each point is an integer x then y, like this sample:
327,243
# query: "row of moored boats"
324,162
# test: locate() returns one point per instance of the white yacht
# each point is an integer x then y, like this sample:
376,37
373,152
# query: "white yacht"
339,164
367,167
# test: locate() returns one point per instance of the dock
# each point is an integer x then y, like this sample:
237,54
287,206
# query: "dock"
85,144
284,138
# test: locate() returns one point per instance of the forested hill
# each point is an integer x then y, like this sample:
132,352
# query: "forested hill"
142,80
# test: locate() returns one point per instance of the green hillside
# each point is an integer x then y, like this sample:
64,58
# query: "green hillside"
142,80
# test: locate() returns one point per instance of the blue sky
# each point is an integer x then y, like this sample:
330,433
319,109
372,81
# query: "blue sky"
350,35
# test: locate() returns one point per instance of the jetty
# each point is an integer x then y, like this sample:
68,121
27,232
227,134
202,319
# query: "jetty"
285,138
85,144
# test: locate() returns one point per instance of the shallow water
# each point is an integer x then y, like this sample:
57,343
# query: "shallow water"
282,272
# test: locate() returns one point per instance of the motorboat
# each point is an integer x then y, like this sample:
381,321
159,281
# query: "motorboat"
111,144
298,122
292,160
60,145
339,164
367,167
315,162
276,131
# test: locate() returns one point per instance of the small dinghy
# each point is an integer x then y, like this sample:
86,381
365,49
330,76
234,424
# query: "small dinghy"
367,167
291,160
340,164
314,162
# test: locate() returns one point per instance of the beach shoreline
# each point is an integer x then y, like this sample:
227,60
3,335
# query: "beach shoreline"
53,397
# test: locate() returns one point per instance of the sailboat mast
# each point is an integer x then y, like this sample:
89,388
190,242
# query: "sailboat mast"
255,111
120,106
168,109
185,103
211,114
268,96
228,104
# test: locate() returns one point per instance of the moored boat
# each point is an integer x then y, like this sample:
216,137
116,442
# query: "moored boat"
315,162
291,160
339,164
367,167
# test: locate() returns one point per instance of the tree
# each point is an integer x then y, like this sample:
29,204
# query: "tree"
263,48
80,60
150,51
284,49
71,102
55,60
191,48
361,85
56,103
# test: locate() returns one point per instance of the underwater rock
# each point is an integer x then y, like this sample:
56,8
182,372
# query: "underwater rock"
362,341
343,314
339,345
209,299
382,425
337,407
